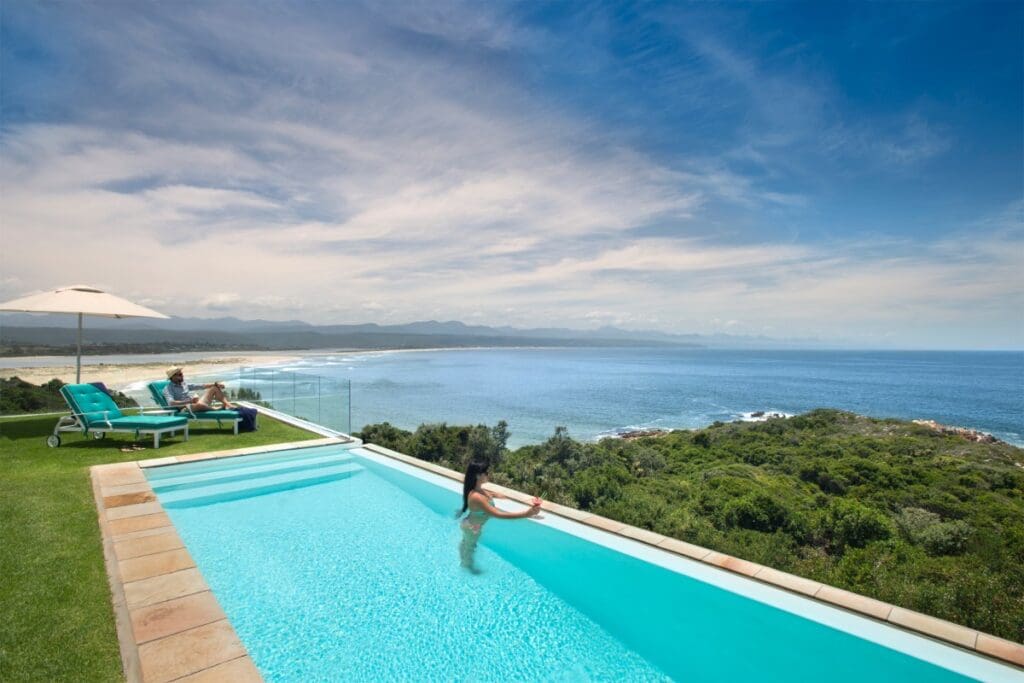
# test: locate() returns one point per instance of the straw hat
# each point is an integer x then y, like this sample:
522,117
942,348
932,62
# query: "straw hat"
171,372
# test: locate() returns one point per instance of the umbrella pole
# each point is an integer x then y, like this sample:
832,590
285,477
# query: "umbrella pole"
78,361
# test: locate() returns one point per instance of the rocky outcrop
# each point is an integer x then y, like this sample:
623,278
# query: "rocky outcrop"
966,433
641,433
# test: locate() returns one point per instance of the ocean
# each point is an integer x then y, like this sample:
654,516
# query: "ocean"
597,392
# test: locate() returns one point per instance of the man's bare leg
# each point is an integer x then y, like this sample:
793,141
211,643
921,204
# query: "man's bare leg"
212,394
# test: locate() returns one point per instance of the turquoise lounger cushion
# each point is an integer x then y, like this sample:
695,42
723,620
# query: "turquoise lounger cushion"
97,409
146,422
217,415
156,390
90,402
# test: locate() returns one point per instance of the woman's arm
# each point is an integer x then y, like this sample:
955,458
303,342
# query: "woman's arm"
494,494
501,514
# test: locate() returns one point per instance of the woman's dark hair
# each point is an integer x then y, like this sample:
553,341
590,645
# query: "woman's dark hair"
473,472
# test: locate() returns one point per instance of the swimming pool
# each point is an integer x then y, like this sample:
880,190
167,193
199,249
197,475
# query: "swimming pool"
336,563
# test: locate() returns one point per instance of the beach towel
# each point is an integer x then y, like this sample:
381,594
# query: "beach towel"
248,415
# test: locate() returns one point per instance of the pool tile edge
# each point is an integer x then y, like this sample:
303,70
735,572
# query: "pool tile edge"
185,603
1002,649
130,663
238,452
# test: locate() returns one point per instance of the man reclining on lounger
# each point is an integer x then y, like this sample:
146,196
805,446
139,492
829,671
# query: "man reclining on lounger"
178,394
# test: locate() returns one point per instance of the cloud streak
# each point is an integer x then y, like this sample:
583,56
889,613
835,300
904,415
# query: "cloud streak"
398,165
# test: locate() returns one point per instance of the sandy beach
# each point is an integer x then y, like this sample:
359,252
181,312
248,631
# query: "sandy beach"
120,375
117,375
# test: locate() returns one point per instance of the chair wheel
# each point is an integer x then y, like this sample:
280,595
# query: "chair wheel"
53,441
98,435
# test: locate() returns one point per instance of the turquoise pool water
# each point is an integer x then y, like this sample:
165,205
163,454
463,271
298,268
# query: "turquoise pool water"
334,565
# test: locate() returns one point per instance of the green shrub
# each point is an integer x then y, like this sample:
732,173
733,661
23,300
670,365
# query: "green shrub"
387,435
429,443
850,523
912,521
18,396
826,480
946,538
756,511
598,485
647,462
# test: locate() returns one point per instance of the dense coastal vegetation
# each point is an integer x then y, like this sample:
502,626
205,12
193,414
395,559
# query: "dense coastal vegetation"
111,349
897,511
18,396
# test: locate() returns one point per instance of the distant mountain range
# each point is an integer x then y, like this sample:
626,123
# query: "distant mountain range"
229,332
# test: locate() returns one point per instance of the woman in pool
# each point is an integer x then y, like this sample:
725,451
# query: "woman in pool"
480,505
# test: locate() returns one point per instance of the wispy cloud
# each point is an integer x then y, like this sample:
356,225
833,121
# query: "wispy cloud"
337,163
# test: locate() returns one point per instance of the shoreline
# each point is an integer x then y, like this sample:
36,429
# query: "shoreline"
120,375
124,373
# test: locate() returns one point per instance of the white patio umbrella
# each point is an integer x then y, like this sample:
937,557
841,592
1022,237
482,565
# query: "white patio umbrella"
82,300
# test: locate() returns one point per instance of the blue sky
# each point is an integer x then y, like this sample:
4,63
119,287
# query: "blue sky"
843,171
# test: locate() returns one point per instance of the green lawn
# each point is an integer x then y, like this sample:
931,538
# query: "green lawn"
54,598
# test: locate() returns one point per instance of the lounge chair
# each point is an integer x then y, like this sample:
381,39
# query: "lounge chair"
93,411
156,390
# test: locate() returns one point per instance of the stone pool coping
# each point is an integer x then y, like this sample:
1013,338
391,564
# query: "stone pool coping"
171,627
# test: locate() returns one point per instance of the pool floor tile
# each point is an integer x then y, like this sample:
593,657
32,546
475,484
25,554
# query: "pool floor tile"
164,587
130,524
189,652
240,670
148,566
175,616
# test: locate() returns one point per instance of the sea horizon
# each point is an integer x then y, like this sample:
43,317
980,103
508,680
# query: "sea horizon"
7,362
602,392
383,392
